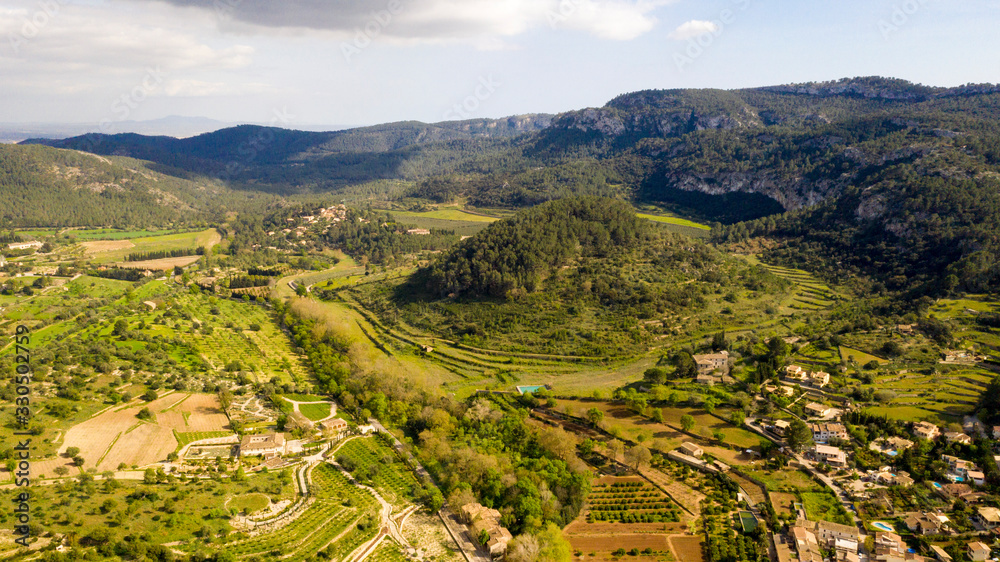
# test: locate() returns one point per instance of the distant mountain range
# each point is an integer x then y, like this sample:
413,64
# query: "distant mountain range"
880,174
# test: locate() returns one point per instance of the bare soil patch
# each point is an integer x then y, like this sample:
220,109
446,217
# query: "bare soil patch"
163,264
687,549
98,246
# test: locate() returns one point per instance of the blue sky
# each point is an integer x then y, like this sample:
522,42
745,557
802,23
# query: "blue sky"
355,62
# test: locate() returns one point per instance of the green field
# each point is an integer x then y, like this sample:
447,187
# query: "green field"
249,503
449,214
315,412
674,220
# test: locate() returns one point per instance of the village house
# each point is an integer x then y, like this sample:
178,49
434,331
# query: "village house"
794,372
926,524
952,492
485,522
779,427
926,430
958,437
987,516
958,468
940,554
266,445
806,544
710,362
976,477
818,410
819,379
894,479
889,547
829,455
823,432
978,552
828,532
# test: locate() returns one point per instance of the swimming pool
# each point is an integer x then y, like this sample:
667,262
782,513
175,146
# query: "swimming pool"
530,389
937,485
883,526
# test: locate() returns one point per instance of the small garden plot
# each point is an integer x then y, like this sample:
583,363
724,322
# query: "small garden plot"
374,463
630,501
823,506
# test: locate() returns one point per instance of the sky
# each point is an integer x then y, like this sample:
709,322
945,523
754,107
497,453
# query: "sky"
360,62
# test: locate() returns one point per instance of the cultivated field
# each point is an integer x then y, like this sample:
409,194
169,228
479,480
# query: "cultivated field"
100,246
164,264
118,436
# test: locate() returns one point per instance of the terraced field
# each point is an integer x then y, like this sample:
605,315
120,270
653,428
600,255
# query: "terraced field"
336,508
391,478
938,396
810,293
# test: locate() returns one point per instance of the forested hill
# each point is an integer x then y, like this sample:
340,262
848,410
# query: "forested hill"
41,186
515,254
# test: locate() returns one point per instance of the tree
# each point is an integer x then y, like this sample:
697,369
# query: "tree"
149,477
150,395
72,452
737,418
78,461
594,416
616,448
798,436
719,342
638,457
144,414
61,471
687,422
657,415
121,326
523,548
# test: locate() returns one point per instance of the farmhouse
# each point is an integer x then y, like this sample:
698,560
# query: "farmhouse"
418,231
483,519
34,244
830,455
893,479
823,432
691,450
267,445
940,554
926,430
818,410
959,468
976,477
710,362
335,427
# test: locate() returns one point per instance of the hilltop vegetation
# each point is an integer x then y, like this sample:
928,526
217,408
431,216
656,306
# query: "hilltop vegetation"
579,276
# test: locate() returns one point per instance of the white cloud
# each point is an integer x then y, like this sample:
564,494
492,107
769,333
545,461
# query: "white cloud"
692,29
479,22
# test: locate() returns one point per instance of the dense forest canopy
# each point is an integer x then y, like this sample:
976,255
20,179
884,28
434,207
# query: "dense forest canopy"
515,254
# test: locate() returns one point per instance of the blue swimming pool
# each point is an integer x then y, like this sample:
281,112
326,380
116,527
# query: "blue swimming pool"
937,485
530,389
883,526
